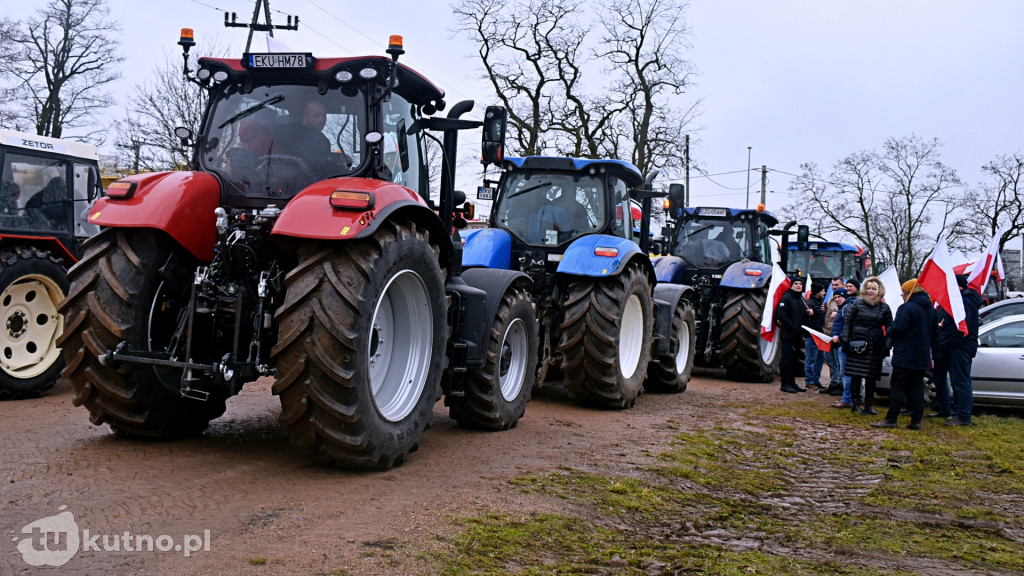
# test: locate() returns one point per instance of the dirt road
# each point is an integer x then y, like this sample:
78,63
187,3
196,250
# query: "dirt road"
260,498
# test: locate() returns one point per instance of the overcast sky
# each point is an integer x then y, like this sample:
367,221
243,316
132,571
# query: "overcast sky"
796,80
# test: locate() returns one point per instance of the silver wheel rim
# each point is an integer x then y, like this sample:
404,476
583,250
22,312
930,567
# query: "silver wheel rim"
512,360
683,354
400,345
31,326
631,336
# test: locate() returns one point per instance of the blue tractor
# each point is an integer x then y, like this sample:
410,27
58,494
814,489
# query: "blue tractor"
824,260
725,255
606,329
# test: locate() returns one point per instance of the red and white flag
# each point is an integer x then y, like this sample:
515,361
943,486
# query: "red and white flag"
807,288
821,340
776,288
893,289
938,280
983,266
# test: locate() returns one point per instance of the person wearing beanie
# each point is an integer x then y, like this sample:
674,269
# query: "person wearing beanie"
853,286
864,328
814,358
835,373
913,334
790,316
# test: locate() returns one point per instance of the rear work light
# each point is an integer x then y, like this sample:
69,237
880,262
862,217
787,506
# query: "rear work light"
352,200
121,190
606,251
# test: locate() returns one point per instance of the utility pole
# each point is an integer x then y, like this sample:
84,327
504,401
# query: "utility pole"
255,24
748,177
686,164
764,184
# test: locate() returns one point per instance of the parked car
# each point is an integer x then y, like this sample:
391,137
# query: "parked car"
1001,309
998,370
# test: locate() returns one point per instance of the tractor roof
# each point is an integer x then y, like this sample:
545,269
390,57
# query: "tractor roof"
822,245
625,170
411,84
708,212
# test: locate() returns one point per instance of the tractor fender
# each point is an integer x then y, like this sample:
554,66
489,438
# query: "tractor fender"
746,275
488,248
179,203
493,283
581,257
310,214
669,269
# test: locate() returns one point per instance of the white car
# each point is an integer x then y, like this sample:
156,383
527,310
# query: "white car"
997,373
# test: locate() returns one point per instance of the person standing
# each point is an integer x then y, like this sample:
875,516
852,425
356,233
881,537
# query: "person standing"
790,314
863,340
963,348
835,373
814,358
913,335
940,365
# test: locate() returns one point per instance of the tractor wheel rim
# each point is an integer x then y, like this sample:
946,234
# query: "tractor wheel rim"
512,362
631,336
30,326
399,347
683,354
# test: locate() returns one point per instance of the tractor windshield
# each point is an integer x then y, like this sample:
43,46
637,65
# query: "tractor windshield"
550,209
275,140
713,242
823,263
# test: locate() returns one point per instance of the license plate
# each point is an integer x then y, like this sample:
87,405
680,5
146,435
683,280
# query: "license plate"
713,212
280,60
484,193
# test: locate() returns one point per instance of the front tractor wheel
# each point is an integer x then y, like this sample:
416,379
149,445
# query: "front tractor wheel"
32,285
119,294
671,373
361,346
746,356
496,395
606,338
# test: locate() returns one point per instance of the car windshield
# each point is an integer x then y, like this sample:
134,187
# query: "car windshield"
549,209
276,139
712,242
823,263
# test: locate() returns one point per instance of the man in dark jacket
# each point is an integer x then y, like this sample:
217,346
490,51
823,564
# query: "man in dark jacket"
814,358
790,316
913,337
962,349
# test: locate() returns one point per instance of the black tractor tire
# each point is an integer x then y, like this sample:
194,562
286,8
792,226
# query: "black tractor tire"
117,294
745,355
361,346
32,285
606,338
670,374
496,395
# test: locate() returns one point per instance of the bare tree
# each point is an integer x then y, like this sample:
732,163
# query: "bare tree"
997,204
643,42
64,60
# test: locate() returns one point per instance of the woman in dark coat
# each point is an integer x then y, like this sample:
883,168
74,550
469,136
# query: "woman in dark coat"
866,321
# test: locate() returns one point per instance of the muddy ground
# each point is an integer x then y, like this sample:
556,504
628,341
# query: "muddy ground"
270,510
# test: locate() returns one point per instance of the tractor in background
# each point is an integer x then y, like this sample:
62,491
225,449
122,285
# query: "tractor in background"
725,255
304,248
606,328
46,185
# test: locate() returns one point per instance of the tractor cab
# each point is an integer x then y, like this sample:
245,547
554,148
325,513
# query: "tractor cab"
547,203
277,123
824,260
709,240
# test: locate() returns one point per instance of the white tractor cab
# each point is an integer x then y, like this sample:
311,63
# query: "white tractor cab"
46,185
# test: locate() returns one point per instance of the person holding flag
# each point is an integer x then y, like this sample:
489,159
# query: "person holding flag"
814,358
962,348
913,337
790,315
835,372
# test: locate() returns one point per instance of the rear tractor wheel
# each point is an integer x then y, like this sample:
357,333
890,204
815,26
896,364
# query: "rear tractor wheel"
671,373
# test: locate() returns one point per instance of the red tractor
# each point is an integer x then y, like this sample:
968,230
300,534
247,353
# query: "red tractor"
305,248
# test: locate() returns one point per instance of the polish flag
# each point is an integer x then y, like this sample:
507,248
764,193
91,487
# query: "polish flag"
893,289
983,266
938,280
776,288
807,288
821,340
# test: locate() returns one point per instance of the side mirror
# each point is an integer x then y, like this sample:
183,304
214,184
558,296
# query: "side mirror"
492,145
676,196
803,235
95,184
